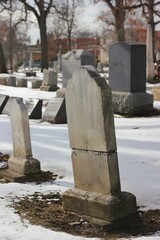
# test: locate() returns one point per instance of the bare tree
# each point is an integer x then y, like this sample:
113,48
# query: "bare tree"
119,9
151,12
41,9
66,12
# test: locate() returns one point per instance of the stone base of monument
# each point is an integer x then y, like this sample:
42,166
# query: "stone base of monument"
49,88
156,93
133,104
21,170
101,209
21,82
24,166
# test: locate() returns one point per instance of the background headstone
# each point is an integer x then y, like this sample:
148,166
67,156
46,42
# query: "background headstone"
127,79
55,111
49,80
21,163
73,60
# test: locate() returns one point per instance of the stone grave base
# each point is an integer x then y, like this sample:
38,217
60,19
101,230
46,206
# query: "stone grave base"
24,166
12,176
132,103
49,88
156,93
22,170
101,209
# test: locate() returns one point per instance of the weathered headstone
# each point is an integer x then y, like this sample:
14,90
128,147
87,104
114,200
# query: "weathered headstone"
97,194
49,80
55,111
21,163
11,81
21,82
127,79
3,102
73,60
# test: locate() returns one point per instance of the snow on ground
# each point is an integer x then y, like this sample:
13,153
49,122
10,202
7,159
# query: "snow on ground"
138,144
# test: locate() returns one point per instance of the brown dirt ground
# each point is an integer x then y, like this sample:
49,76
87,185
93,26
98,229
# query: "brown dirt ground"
47,211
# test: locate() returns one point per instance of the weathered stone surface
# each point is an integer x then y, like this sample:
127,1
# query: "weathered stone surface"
156,93
21,82
3,102
49,80
24,166
21,161
127,67
132,103
96,171
55,111
90,112
108,208
8,105
97,194
11,81
73,60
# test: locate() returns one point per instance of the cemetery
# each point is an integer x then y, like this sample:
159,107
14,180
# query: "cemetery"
94,199
80,122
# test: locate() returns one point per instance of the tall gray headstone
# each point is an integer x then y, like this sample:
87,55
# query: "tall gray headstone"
127,79
73,60
97,193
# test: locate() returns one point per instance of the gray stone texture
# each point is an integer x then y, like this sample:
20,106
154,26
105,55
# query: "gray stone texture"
11,81
101,208
21,161
73,60
55,111
97,194
127,67
132,103
96,171
90,111
49,80
21,82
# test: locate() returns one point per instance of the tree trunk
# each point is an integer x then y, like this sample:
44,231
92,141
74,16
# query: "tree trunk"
3,68
44,42
119,15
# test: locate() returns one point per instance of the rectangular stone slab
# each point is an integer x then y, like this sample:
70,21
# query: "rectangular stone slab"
96,171
55,111
103,207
